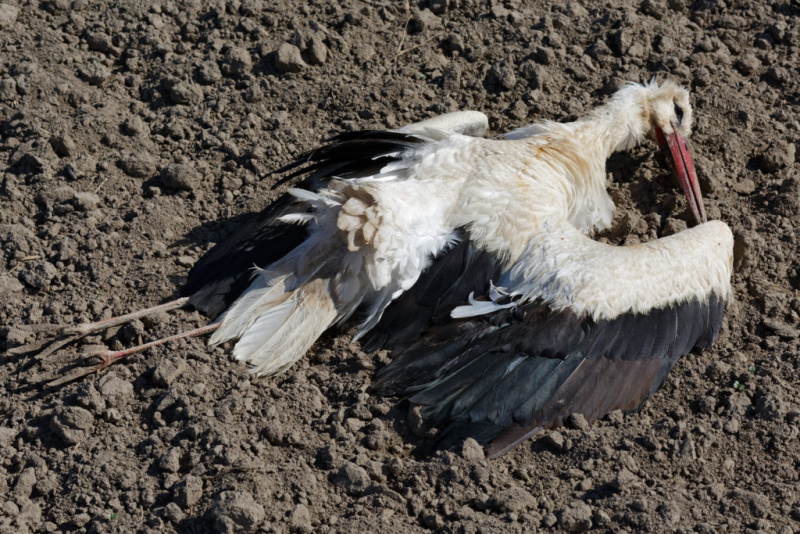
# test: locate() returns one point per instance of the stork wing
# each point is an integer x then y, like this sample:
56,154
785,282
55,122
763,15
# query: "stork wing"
220,276
514,364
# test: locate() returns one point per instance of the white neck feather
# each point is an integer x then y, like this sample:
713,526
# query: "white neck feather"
623,122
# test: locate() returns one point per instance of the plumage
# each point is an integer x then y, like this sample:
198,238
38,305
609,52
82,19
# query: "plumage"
471,260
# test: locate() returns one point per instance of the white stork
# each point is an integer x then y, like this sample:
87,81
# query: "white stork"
471,260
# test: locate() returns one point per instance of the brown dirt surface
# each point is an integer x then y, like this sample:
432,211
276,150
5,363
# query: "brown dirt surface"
135,135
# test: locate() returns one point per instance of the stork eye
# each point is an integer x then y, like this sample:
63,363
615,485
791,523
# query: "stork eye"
679,113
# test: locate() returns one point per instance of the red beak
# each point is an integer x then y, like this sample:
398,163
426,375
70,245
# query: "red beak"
680,160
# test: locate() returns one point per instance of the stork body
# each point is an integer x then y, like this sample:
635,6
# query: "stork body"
507,317
470,258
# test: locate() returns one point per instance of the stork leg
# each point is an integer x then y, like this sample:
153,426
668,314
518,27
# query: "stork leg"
108,357
70,333
89,328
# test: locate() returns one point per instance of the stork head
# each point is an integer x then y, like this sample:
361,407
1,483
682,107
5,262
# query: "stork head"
670,119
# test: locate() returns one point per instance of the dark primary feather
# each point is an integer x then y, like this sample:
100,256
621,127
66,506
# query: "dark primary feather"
351,155
457,272
504,376
220,276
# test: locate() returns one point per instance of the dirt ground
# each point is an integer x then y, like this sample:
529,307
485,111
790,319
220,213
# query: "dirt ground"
135,135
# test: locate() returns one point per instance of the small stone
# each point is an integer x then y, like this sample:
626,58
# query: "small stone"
601,518
134,126
555,439
718,371
377,441
112,416
8,89
273,433
209,72
363,52
784,330
168,371
549,520
653,8
577,421
7,436
237,62
731,426
544,55
236,511
185,261
81,519
141,165
513,500
417,423
253,94
94,73
186,93
472,451
85,201
432,521
747,64
171,461
777,75
88,397
173,513
72,424
300,518
289,59
624,479
687,449
188,491
425,21
519,111
501,77
8,15
770,407
673,226
702,77
9,284
670,512
63,145
25,482
327,458
778,156
34,153
317,51
100,41
577,517
180,176
133,330
352,479
745,186
621,41
38,274
115,389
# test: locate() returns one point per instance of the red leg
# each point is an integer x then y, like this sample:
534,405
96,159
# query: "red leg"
108,357
88,328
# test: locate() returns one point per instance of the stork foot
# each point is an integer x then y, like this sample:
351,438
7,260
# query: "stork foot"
59,336
107,357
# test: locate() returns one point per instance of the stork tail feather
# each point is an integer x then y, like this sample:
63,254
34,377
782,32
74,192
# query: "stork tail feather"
276,325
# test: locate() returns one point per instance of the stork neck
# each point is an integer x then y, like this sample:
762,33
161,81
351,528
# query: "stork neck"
623,122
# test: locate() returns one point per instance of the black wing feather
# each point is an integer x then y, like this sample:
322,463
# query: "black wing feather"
220,276
457,272
529,368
